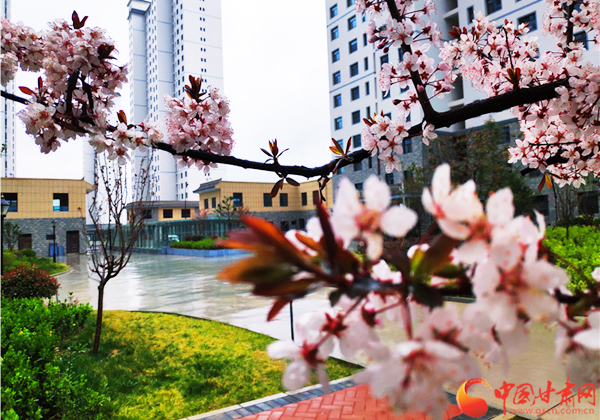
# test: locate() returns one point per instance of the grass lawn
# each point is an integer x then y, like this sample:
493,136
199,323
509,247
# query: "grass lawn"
162,366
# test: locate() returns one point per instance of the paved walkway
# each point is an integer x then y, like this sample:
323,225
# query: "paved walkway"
347,401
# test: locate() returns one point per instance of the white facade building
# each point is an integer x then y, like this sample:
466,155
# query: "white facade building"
354,64
7,121
168,41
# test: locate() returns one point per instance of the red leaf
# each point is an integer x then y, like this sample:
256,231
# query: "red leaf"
276,188
277,307
26,90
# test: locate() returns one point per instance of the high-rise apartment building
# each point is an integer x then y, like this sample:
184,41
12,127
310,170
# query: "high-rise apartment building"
354,65
168,41
7,121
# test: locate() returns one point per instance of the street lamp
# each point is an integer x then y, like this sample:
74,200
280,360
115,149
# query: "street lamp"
54,237
5,207
185,201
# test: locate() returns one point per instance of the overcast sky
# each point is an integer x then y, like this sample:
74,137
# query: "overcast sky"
275,64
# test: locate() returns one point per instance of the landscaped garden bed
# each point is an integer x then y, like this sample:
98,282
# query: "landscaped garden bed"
161,366
13,259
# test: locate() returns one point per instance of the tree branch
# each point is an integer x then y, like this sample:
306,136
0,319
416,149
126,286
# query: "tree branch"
438,119
14,98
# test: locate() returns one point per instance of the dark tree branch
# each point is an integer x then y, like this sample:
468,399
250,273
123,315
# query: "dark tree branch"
428,110
438,119
14,98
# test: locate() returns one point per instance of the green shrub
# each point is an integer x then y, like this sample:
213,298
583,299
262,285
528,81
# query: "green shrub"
28,281
581,249
9,261
206,243
13,259
33,341
193,237
29,253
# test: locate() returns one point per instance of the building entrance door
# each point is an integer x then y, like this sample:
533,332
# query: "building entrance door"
25,241
72,242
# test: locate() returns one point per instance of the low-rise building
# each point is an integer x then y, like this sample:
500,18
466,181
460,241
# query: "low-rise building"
290,209
36,203
165,211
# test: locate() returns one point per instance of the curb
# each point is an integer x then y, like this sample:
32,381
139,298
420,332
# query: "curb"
62,272
272,401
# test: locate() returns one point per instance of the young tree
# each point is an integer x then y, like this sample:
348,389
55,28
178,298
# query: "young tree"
117,225
11,234
227,211
554,95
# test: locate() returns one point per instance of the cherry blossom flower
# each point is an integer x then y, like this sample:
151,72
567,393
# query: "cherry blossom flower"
369,221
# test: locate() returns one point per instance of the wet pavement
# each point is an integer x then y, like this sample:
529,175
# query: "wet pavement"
183,285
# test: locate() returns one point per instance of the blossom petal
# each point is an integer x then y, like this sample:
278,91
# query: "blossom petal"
398,220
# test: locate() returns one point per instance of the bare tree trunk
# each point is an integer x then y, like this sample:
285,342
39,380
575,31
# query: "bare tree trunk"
98,319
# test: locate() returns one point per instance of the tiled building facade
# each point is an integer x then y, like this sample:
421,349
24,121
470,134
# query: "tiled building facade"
290,209
35,203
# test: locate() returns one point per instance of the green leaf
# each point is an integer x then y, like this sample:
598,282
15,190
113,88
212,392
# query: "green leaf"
427,295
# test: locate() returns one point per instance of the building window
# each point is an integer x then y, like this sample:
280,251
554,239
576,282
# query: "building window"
581,37
407,146
213,203
408,175
167,213
367,89
353,69
370,162
267,200
283,199
333,11
13,201
352,23
301,224
384,59
304,197
350,2
146,214
185,213
358,166
359,187
366,63
364,39
206,203
284,225
355,117
368,111
530,20
588,203
335,56
335,33
338,123
60,202
492,6
355,93
337,78
389,178
470,14
505,134
386,95
356,142
238,201
353,46
337,100
316,197
540,203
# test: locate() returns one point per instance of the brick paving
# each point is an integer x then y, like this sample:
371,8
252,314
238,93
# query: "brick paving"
347,401
354,403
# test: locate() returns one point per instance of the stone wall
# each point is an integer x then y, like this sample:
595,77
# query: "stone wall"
39,228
